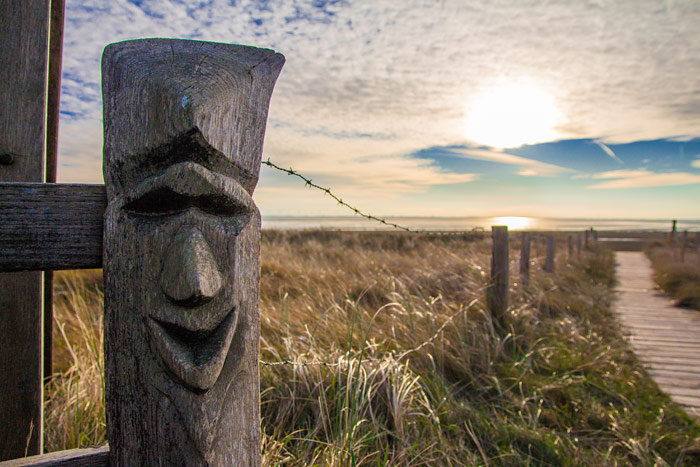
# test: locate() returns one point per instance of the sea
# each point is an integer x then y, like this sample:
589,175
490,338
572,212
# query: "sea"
476,223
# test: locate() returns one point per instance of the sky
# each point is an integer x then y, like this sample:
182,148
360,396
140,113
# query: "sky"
439,108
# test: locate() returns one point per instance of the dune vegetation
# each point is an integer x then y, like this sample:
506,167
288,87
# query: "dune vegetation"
677,271
377,349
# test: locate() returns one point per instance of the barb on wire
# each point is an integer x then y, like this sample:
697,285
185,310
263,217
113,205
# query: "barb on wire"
394,355
329,193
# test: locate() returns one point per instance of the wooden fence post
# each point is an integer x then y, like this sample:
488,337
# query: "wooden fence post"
579,241
184,127
497,293
586,239
23,55
525,259
549,261
672,233
684,245
570,241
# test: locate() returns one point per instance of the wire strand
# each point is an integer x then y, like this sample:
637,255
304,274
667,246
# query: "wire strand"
328,191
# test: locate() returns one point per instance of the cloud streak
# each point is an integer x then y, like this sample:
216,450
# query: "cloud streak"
609,152
529,167
643,179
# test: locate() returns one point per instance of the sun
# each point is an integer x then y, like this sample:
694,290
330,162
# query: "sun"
509,116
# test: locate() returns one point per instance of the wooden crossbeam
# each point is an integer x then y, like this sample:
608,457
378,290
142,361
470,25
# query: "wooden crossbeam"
51,226
90,457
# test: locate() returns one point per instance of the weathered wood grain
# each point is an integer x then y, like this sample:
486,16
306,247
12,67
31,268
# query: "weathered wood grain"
23,58
89,457
549,259
497,292
525,259
51,226
184,126
666,339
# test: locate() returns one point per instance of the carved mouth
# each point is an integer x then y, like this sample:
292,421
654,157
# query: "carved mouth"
195,357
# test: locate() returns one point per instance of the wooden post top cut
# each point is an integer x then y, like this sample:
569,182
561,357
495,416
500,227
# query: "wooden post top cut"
205,102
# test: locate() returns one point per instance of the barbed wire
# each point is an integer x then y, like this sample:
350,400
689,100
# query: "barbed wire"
393,355
328,191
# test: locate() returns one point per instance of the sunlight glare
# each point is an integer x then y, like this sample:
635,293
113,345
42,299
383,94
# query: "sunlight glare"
509,116
513,223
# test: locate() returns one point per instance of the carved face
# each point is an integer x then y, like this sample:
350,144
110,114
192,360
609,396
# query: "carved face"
186,247
186,220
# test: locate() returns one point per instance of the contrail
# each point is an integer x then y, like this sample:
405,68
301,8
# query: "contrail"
609,152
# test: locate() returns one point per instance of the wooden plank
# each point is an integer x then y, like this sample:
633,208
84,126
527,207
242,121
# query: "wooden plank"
51,226
686,401
53,105
182,319
675,390
666,381
89,457
23,54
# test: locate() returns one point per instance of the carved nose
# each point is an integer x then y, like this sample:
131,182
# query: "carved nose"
190,276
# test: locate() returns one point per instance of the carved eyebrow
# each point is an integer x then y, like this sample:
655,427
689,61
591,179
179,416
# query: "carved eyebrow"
186,185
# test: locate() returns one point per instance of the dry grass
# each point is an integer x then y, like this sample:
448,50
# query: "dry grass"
557,386
677,272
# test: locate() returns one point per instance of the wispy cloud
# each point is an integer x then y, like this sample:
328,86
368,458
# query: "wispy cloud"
530,167
696,163
606,149
643,179
623,174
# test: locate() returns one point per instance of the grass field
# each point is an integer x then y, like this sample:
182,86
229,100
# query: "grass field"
399,363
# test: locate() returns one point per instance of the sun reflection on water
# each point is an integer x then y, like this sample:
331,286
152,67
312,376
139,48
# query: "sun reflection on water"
514,223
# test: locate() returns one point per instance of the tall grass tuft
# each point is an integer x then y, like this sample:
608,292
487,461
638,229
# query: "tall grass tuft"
377,349
74,406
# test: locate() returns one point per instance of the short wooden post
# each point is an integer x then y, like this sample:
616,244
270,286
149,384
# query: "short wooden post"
24,29
672,233
586,239
570,241
184,127
497,293
579,241
525,259
684,245
549,260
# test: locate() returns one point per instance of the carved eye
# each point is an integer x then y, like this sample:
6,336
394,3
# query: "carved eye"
164,201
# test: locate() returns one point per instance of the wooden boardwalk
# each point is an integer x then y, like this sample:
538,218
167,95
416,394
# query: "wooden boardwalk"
666,339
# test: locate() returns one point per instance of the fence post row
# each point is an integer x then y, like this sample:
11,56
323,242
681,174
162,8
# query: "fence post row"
497,292
182,324
23,55
525,259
